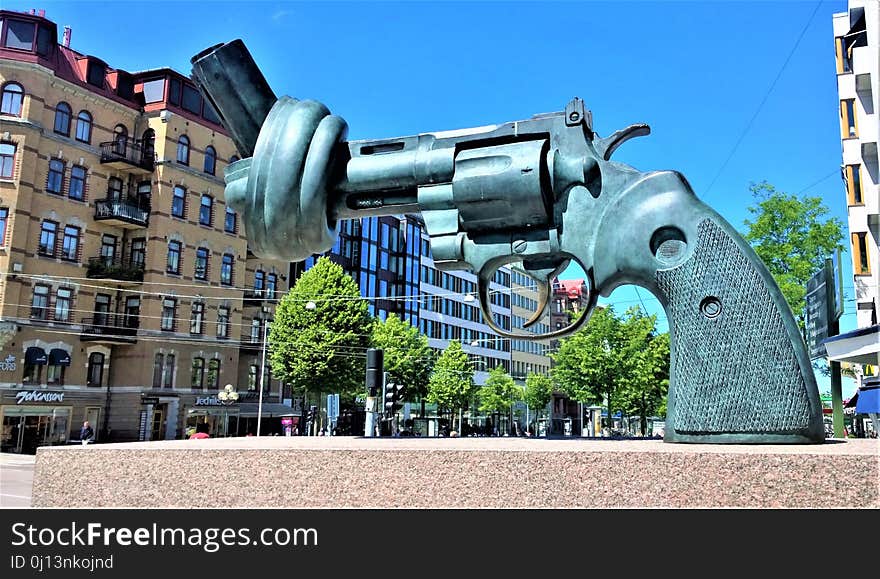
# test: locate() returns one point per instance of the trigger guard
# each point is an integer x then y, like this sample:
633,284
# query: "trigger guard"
483,280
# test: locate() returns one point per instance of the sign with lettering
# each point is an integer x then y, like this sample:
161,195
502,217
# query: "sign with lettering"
208,401
149,399
8,365
333,406
817,317
38,396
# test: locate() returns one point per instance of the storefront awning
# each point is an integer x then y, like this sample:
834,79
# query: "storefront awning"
860,346
269,410
35,356
59,357
869,401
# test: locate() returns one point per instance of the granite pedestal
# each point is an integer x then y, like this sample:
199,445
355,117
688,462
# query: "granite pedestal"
342,472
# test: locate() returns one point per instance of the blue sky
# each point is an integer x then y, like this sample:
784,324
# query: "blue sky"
695,71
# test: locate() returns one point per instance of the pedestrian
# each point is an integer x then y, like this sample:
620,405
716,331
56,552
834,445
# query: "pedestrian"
86,433
201,432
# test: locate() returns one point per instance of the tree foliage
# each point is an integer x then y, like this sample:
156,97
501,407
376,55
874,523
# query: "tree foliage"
315,350
538,391
407,356
499,392
793,236
452,383
619,362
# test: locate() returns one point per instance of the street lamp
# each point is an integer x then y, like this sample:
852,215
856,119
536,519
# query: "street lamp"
262,377
226,397
311,305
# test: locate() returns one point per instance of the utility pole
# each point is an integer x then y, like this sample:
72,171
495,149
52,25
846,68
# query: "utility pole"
375,386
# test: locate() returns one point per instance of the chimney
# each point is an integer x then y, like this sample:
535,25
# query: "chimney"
66,37
41,13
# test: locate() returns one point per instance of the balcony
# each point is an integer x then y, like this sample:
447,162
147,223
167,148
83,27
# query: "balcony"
110,329
121,213
259,296
115,269
128,155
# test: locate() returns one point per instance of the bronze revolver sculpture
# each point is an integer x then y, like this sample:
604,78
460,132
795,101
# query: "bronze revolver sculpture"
539,192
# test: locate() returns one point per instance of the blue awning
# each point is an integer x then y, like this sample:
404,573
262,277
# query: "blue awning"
59,357
35,356
869,401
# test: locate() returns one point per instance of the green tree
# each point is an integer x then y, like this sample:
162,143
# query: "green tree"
499,392
452,383
588,364
793,236
316,349
407,356
646,382
538,392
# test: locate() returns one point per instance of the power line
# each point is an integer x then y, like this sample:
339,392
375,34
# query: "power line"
763,100
826,177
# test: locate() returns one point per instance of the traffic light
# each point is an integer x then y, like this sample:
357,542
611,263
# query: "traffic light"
313,414
394,394
375,360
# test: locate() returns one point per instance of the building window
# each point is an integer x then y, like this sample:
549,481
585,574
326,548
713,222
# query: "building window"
48,231
138,252
95,374
102,309
13,95
77,187
192,100
210,160
201,271
148,142
230,221
7,160
178,202
861,264
843,55
222,322
173,257
206,210
174,90
252,377
271,284
62,304
20,34
169,371
854,185
256,329
120,139
183,150
198,316
62,119
226,269
4,219
114,189
33,373
214,374
40,303
198,373
259,281
169,309
132,312
55,180
849,126
55,374
95,74
158,366
84,127
70,243
154,90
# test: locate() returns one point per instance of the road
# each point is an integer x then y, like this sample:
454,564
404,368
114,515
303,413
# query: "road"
16,479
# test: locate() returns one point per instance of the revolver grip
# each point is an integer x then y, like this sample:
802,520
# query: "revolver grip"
739,369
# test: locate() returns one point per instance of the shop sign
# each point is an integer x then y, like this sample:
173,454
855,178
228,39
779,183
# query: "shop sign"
211,401
38,396
149,400
8,365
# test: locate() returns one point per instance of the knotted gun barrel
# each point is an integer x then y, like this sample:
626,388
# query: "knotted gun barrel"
540,191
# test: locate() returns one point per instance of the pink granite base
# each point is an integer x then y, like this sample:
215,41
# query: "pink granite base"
341,472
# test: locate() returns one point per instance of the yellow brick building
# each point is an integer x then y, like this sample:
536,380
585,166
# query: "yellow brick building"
128,296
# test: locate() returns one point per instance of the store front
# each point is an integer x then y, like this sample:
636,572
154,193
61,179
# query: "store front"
221,419
38,418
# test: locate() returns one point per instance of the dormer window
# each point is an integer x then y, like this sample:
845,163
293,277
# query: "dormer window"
125,86
95,74
20,34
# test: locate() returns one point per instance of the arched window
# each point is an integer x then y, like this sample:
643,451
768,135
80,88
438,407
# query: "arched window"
206,210
55,180
95,374
210,160
13,95
62,119
84,127
120,139
183,150
149,143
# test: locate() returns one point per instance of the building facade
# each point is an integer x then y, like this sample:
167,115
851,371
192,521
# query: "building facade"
857,51
128,297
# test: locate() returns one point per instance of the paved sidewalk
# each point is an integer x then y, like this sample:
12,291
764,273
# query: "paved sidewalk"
16,479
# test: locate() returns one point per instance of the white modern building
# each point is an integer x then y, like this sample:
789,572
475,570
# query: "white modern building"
857,49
